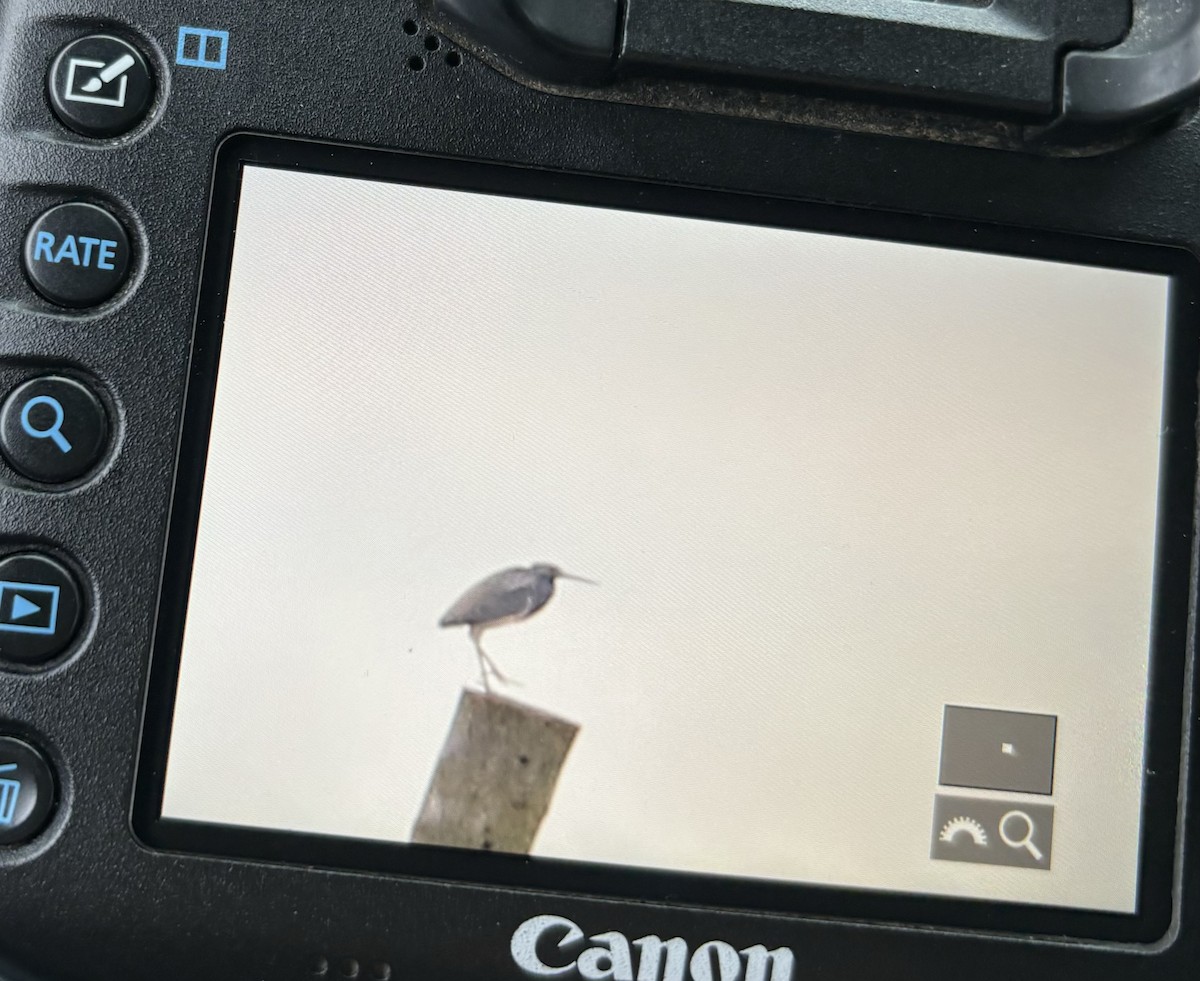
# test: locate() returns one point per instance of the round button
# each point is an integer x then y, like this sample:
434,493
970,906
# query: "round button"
100,85
26,791
39,608
52,429
77,255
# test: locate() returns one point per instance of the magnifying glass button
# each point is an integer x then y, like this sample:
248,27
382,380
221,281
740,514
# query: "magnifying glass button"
53,429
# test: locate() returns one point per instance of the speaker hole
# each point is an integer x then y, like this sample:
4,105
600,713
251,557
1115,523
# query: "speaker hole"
453,59
409,27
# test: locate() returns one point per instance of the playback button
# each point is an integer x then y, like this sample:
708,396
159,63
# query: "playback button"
40,607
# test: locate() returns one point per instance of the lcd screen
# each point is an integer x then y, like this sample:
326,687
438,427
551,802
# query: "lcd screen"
870,528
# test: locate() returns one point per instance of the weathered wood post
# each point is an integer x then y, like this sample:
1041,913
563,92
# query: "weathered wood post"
495,777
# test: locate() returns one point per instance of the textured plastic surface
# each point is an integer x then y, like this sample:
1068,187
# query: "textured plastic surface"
1154,70
86,900
570,42
999,58
1063,78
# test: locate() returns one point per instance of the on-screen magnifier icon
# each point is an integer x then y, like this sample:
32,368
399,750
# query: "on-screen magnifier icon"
1021,840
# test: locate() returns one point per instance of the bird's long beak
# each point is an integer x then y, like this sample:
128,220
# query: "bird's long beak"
567,575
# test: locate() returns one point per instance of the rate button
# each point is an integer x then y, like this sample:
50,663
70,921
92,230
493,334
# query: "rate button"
77,255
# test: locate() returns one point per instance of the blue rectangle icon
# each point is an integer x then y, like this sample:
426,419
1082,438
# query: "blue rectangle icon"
202,47
28,608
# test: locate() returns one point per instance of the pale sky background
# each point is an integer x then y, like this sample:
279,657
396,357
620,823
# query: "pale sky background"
828,486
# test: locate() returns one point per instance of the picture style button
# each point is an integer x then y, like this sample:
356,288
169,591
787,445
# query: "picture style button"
52,429
77,255
39,608
100,86
990,749
26,791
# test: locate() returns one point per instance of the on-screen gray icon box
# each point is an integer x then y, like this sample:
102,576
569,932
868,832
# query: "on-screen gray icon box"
988,831
991,749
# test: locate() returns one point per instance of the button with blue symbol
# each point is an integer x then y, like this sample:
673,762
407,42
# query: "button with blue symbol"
77,255
40,607
26,791
53,429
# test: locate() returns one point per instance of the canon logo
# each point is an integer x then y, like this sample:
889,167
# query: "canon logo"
612,957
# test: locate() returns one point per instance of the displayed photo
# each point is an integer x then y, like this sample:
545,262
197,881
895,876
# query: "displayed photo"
674,544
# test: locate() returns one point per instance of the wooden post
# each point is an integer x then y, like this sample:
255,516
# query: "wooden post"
495,776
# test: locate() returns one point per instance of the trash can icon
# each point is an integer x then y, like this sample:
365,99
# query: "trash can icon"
10,791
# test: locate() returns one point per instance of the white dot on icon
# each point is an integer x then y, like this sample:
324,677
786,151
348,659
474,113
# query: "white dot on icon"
1008,749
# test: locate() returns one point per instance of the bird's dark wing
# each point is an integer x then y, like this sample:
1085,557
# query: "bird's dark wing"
511,593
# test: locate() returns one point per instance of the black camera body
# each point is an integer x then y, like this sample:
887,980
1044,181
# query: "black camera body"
1063,132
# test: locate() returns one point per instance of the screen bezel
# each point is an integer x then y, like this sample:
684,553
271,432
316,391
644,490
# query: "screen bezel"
1170,622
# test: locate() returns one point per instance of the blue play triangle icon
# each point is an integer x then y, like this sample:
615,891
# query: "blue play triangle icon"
21,608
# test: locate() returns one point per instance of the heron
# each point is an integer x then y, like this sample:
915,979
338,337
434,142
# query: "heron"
508,596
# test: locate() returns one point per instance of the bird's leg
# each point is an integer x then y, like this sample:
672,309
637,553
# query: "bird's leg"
484,660
486,664
500,676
